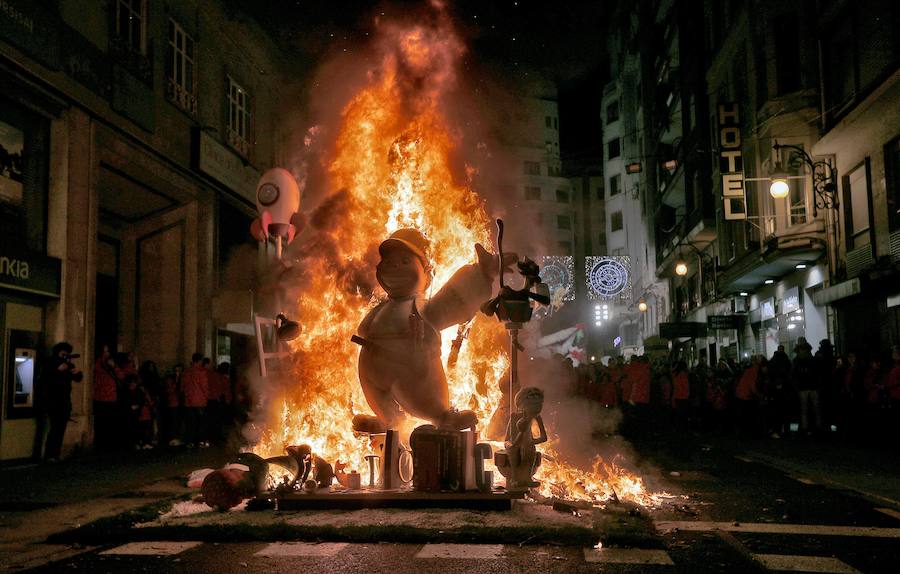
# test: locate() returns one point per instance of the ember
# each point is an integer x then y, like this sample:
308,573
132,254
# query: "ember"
391,158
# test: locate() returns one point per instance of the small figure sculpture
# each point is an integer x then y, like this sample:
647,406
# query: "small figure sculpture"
400,366
523,457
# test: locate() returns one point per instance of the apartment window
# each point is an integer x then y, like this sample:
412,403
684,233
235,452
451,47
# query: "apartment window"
612,112
857,196
859,51
238,128
612,148
563,222
615,221
600,194
532,192
556,124
548,122
786,28
562,196
892,179
615,185
532,168
180,69
131,24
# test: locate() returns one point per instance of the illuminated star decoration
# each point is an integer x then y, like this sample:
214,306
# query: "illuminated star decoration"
608,277
558,271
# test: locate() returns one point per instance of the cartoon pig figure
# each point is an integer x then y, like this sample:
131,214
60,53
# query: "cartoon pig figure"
400,366
278,205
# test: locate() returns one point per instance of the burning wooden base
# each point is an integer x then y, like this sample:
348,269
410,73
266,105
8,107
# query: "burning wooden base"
358,499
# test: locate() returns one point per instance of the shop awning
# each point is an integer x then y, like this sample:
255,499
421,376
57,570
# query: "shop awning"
836,292
682,329
752,270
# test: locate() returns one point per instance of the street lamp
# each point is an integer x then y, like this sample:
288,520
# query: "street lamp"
824,177
642,306
681,268
779,188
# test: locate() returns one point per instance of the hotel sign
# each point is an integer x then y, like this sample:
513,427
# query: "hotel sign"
731,163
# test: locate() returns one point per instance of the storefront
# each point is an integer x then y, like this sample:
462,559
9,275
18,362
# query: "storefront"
27,282
29,279
785,311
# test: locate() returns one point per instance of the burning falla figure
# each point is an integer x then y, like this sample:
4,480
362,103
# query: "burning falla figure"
400,366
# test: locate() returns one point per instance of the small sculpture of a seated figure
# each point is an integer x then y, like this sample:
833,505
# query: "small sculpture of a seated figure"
520,443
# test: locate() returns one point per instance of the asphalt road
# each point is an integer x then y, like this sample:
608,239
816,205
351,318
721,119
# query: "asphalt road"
732,513
739,506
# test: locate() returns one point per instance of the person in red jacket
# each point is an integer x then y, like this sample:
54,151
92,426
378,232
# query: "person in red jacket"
746,395
171,408
608,394
619,376
195,386
640,375
893,379
105,401
681,393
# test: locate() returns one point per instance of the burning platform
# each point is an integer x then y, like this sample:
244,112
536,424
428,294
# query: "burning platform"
358,499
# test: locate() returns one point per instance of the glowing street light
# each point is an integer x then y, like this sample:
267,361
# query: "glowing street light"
642,306
779,188
681,268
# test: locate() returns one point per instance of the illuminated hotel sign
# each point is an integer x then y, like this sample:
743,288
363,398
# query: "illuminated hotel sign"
731,164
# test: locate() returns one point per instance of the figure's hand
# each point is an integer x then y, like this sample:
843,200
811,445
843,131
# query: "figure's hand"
488,262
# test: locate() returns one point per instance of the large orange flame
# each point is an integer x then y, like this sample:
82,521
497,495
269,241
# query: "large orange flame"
391,155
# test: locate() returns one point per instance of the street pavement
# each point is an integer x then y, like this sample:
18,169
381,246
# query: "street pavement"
38,500
739,506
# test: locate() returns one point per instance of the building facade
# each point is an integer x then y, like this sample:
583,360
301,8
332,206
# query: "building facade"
736,95
133,134
631,172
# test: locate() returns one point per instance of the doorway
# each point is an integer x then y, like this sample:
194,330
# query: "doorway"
106,319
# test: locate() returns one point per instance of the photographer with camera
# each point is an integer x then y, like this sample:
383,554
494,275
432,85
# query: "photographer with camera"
57,377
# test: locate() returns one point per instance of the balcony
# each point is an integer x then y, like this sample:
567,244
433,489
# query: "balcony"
181,97
858,260
238,143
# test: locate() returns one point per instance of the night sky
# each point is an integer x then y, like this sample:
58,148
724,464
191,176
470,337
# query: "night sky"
510,39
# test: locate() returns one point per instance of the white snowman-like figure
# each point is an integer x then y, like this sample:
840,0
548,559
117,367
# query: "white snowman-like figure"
400,367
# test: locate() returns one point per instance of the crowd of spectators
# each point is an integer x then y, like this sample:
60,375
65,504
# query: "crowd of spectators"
141,408
797,394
